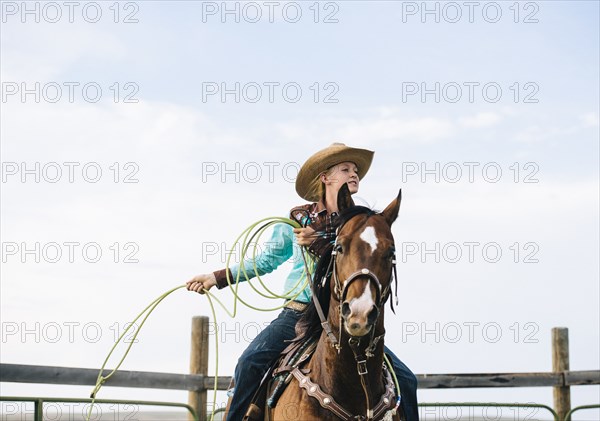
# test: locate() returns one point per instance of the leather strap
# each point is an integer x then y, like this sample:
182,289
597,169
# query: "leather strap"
324,322
325,400
386,402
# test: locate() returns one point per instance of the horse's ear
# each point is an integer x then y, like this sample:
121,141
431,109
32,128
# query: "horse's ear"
344,199
391,212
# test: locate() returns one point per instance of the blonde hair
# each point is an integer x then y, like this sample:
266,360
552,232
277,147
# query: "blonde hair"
316,186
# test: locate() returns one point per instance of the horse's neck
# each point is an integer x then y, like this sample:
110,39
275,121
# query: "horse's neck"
337,374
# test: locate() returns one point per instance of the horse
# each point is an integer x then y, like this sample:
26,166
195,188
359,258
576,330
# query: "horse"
346,377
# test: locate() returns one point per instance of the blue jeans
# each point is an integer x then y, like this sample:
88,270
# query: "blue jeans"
408,386
265,349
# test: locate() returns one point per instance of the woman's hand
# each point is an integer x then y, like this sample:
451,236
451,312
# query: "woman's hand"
201,283
304,236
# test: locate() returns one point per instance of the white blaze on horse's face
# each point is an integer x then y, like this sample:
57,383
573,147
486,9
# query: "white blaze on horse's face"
358,313
364,303
369,236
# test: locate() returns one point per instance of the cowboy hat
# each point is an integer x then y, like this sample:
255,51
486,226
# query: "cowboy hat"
325,159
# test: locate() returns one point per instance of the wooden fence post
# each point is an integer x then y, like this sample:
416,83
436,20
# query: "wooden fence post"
560,363
199,363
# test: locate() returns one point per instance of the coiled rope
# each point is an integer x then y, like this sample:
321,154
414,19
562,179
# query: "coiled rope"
248,239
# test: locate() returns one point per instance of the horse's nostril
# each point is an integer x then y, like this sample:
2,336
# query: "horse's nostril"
345,310
354,326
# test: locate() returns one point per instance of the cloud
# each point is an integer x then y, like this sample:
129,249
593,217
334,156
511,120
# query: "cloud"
419,130
590,119
535,133
373,126
46,52
480,120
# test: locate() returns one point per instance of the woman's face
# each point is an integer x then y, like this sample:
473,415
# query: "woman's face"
344,172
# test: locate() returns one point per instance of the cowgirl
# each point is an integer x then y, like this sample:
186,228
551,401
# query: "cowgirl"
318,181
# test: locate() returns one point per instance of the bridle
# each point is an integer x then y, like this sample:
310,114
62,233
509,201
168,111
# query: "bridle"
340,292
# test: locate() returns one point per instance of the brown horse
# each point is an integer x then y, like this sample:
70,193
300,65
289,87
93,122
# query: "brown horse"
345,378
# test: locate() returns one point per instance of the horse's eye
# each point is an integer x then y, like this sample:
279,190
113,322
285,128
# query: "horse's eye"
339,249
391,253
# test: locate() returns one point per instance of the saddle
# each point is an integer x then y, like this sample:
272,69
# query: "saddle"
278,377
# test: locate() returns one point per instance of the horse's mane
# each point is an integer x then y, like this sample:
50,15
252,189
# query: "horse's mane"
309,325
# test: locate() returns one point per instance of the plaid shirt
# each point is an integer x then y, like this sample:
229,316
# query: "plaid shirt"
324,225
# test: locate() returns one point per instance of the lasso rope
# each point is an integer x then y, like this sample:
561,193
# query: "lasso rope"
249,234
145,313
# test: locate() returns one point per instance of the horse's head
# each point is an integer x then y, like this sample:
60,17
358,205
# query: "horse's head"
363,261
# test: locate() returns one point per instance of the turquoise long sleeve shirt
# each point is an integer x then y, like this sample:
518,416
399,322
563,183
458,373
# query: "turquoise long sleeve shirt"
279,248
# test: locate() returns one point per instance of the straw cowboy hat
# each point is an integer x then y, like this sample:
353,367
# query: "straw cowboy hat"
326,158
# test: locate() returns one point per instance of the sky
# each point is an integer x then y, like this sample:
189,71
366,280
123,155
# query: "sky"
139,139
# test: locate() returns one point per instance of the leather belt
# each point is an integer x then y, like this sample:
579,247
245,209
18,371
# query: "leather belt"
296,305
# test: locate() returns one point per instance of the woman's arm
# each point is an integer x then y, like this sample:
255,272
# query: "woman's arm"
276,250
